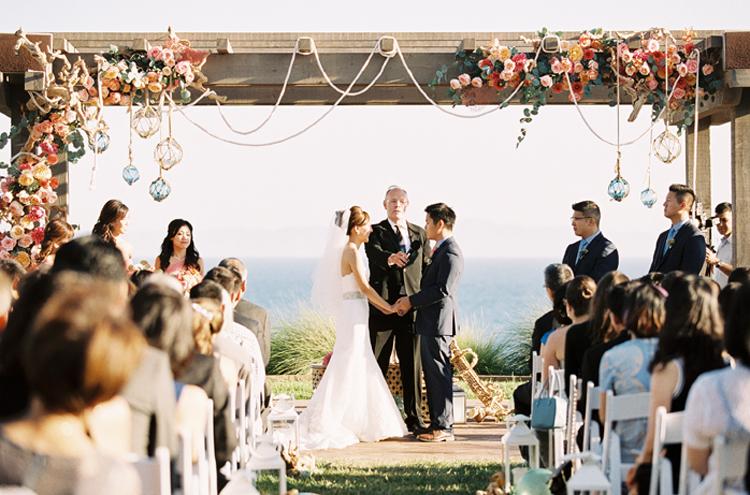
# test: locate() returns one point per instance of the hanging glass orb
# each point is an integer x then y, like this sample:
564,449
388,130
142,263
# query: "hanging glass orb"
667,147
131,174
618,189
159,189
649,197
168,153
146,121
100,142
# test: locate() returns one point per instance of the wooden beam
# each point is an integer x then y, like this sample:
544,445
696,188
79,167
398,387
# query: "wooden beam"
741,180
737,78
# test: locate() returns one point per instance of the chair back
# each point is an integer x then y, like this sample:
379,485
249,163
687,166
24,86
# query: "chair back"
153,471
537,364
620,408
591,433
731,461
667,431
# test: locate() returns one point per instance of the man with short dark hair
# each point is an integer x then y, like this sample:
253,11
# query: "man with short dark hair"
683,246
594,255
722,260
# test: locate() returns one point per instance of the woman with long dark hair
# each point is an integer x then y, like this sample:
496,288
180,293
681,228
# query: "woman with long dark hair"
178,256
113,222
56,233
690,343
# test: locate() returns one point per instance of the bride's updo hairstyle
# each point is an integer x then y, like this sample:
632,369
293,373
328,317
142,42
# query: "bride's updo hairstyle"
357,217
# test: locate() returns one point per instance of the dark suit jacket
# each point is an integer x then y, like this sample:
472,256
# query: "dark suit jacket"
388,280
255,318
688,253
602,258
542,325
437,301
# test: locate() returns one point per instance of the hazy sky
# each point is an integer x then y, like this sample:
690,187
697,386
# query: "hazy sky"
277,201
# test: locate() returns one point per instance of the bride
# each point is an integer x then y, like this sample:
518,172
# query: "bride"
352,402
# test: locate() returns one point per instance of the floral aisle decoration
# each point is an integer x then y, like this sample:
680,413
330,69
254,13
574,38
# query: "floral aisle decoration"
66,115
653,69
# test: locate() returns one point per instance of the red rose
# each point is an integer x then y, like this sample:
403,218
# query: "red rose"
577,87
588,54
557,88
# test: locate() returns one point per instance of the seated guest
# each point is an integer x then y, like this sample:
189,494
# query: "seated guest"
112,225
77,354
56,233
139,277
166,319
6,300
207,323
624,368
690,343
578,295
14,270
248,314
594,255
741,275
719,401
581,337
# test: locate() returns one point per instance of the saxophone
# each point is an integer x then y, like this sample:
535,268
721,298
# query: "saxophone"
490,394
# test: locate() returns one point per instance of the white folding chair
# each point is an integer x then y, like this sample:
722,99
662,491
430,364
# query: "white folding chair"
591,433
200,478
537,364
238,408
731,462
667,431
620,408
153,471
589,477
574,419
556,380
189,480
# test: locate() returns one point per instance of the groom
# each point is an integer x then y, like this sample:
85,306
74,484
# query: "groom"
394,274
437,319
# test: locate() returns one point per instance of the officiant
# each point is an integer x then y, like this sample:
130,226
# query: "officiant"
397,252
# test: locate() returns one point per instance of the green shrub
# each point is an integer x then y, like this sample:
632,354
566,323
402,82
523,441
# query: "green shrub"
299,340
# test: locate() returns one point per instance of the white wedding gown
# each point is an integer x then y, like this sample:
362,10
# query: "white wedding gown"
352,402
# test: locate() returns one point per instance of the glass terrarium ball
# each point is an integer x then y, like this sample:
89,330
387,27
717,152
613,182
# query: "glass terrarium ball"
100,142
649,197
618,189
131,174
168,153
159,189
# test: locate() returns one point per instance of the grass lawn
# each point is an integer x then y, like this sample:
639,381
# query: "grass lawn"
428,477
301,386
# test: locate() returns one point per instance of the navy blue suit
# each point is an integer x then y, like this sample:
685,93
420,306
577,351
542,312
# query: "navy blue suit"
437,322
602,258
688,253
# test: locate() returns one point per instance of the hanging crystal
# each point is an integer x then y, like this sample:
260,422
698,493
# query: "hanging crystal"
159,189
131,174
619,188
100,142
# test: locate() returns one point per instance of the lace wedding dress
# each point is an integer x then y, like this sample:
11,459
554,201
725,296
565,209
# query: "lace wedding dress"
352,402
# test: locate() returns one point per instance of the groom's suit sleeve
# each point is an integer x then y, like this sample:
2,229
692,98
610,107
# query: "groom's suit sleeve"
445,281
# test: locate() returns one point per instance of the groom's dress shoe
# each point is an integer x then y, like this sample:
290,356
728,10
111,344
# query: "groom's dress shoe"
437,436
417,430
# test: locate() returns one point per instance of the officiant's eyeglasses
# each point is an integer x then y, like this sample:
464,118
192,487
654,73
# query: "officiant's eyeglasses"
398,202
573,219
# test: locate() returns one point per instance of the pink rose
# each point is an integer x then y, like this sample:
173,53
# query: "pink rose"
23,197
557,67
83,95
577,96
584,40
546,81
37,214
189,78
675,59
627,57
507,75
88,82
455,84
653,45
34,199
630,70
708,69
155,52
593,65
692,66
16,208
652,83
38,235
182,67
4,186
464,79
8,243
48,148
578,67
167,57
567,65
593,74
644,70
477,82
7,197
679,93
25,241
682,70
509,65
622,49
564,45
5,255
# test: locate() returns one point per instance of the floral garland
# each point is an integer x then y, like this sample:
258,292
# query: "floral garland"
658,67
68,109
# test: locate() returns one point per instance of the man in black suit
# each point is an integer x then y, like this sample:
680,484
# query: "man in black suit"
682,247
594,255
397,251
437,319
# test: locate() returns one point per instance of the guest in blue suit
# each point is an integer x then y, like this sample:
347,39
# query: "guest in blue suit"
682,247
594,255
437,319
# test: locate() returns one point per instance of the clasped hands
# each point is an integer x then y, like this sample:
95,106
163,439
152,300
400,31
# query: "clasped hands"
402,306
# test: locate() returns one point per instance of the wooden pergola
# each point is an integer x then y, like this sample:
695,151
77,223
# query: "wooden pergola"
249,69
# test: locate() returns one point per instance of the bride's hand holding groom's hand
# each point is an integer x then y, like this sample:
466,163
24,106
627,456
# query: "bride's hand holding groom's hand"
402,306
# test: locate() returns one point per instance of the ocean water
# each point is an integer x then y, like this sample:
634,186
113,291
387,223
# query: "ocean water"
497,292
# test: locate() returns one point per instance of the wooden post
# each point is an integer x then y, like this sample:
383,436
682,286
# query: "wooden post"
741,180
701,166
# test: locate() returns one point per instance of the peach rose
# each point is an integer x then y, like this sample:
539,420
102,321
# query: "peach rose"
567,65
26,223
630,70
592,74
577,96
16,208
62,129
114,85
125,100
578,67
115,98
557,67
504,54
707,69
464,79
35,199
189,78
584,40
627,57
88,82
546,81
23,198
679,93
509,65
7,197
154,87
83,95
41,171
644,70
46,127
182,67
8,243
564,45
652,83
23,258
671,50
507,75
576,53
25,241
682,70
26,178
111,72
455,84
16,232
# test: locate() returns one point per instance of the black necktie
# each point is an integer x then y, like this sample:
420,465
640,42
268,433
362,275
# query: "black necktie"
401,240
